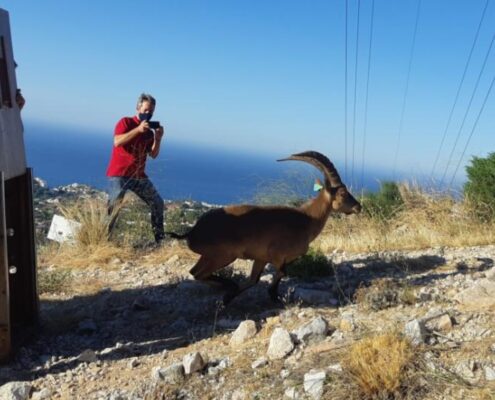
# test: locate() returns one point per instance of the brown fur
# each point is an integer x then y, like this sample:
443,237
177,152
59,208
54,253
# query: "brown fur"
269,234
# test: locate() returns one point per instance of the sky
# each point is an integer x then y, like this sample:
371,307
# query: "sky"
269,76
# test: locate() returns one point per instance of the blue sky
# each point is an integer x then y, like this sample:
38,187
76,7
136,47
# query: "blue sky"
264,76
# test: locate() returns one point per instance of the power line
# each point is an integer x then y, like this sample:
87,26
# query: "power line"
345,90
367,92
467,110
407,87
459,90
355,93
472,130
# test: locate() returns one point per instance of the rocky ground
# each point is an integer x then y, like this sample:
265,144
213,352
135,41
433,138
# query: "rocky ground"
145,330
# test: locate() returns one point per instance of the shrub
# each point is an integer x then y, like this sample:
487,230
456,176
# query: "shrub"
479,189
53,281
313,264
385,203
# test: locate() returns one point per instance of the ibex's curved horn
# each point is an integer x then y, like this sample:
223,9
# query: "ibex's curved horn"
321,162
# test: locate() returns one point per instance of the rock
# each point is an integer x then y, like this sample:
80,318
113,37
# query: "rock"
193,362
490,274
313,332
481,295
245,331
466,369
260,362
441,323
281,344
416,332
43,394
490,373
133,363
335,368
292,393
15,391
313,383
312,296
284,373
218,366
87,356
174,374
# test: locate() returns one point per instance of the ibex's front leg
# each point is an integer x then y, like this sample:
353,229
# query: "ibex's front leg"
256,271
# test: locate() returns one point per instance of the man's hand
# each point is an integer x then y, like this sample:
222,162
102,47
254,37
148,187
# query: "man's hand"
19,99
159,132
143,127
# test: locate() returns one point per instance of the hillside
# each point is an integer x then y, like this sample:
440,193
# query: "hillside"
404,324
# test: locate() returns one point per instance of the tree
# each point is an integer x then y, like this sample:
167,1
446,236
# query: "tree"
479,189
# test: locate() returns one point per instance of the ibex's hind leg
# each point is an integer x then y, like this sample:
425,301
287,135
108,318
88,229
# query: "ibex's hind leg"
273,289
206,266
256,271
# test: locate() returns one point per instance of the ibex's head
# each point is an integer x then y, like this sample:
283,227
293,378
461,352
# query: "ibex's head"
341,200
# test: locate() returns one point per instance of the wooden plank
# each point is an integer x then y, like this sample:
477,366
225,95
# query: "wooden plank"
5,341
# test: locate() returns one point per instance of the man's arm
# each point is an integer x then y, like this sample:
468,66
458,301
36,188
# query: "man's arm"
155,148
122,139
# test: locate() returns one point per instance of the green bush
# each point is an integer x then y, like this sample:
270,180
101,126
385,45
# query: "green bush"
479,189
313,264
385,203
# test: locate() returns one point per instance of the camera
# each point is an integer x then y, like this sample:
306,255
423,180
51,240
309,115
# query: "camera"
153,124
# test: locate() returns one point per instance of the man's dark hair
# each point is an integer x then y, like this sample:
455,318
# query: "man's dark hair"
145,97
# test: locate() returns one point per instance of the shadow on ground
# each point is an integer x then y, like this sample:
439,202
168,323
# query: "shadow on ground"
149,320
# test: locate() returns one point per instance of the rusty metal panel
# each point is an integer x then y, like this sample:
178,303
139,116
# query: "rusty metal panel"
5,343
21,254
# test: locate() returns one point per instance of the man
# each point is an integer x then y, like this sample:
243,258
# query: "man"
134,139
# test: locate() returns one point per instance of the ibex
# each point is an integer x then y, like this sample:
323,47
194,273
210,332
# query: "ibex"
265,234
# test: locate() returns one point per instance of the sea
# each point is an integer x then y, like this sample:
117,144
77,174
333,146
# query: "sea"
182,171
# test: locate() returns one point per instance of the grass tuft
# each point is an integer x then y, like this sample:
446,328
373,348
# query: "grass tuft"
381,367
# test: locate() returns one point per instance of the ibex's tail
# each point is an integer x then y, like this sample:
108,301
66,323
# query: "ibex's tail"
176,235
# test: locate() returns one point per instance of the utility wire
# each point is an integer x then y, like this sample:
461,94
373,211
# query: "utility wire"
472,131
355,94
407,88
458,90
467,110
367,92
345,89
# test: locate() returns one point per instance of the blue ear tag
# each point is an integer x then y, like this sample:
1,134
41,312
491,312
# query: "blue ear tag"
317,186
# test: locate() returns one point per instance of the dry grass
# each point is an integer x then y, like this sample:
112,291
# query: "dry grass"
381,367
96,255
425,220
93,217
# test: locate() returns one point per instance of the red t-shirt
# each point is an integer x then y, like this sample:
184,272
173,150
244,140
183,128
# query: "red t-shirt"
129,160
